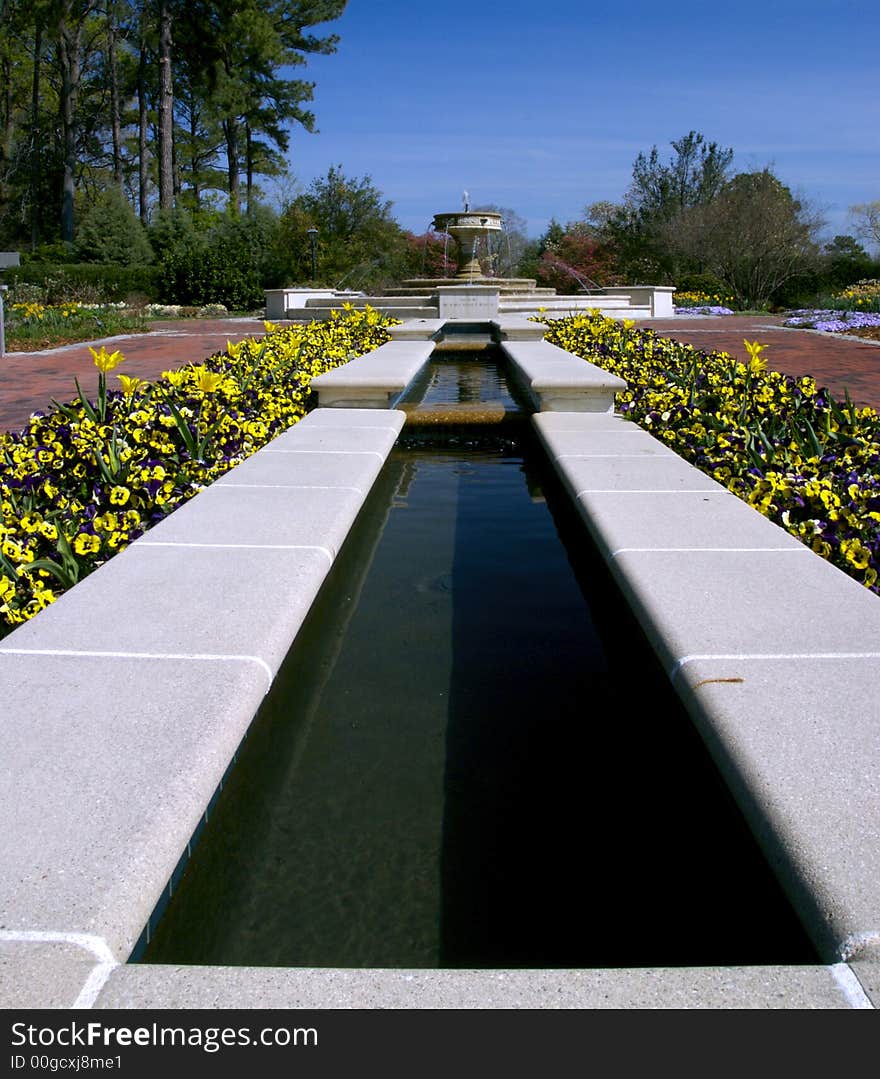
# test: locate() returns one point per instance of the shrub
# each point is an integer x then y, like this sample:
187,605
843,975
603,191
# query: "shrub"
226,264
111,233
86,282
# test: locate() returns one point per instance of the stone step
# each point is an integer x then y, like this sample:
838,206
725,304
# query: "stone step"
503,285
615,308
372,301
392,310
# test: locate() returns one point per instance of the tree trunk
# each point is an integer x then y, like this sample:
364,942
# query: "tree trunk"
69,55
166,110
35,136
194,164
115,120
230,129
143,142
249,153
8,125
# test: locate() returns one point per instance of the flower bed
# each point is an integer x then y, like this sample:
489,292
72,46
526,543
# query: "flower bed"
702,303
839,321
806,461
36,325
82,481
856,311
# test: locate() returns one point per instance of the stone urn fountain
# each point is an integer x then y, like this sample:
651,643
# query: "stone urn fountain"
466,227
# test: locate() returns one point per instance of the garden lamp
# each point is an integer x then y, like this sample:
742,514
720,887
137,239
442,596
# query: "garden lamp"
3,288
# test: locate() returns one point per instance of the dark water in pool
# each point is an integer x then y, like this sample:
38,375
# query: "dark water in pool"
471,760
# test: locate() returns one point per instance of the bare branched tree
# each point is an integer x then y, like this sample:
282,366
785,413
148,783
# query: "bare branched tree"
754,237
867,221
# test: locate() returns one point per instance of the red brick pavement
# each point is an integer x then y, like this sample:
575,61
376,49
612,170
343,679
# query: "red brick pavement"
29,381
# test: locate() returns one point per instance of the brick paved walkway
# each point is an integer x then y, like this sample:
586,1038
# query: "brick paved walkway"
29,381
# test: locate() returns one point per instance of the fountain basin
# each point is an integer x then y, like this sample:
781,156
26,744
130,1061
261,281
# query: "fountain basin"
467,228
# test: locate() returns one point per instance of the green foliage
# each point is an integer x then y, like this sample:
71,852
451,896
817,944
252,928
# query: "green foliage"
89,67
694,176
359,244
172,231
705,283
53,253
111,233
86,282
845,261
755,237
659,194
34,326
226,264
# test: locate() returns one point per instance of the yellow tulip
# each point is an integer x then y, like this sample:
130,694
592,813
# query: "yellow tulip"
105,361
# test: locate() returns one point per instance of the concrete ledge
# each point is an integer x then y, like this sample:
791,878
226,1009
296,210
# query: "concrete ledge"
868,974
46,973
515,327
557,381
417,329
375,380
772,649
281,301
658,298
705,988
126,700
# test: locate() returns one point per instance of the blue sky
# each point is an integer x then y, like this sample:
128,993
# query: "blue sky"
543,107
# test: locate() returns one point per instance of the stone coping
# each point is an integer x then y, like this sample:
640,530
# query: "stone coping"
74,973
557,381
771,648
375,380
553,379
126,700
242,987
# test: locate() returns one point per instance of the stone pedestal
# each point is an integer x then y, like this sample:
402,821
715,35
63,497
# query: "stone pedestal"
467,301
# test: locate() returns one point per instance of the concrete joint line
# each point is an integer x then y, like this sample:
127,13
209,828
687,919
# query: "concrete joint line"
856,942
346,453
189,656
711,550
287,487
615,456
97,946
680,664
850,986
241,546
652,491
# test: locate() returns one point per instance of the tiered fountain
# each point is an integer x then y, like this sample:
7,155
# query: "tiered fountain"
466,228
418,298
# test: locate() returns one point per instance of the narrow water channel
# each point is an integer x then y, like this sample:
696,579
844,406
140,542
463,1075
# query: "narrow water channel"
470,759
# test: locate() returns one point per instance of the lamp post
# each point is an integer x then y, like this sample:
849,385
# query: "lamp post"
313,236
3,289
